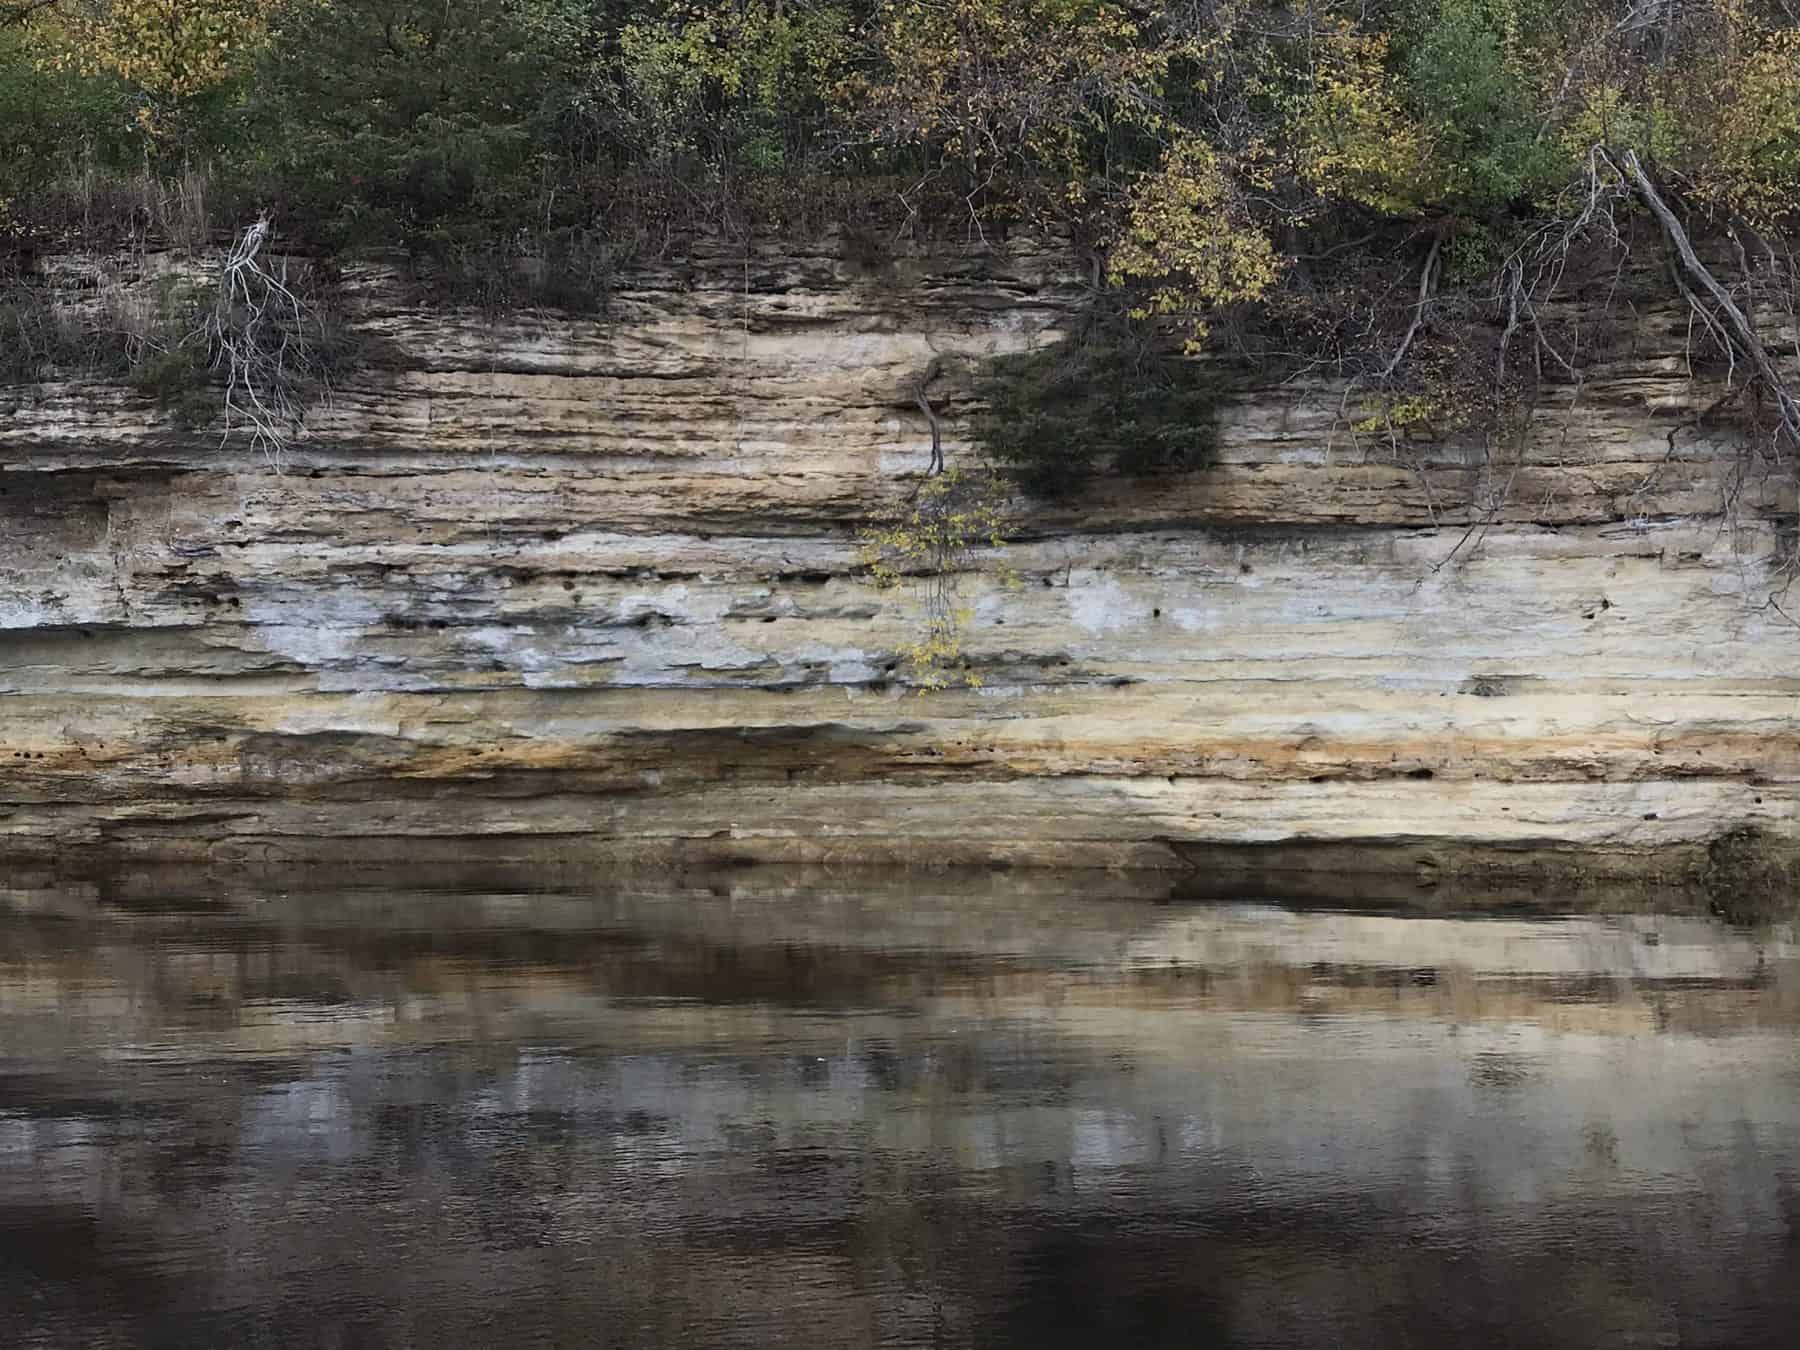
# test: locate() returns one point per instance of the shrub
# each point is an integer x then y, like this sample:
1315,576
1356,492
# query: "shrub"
1112,396
952,519
39,339
178,380
1473,99
568,270
51,123
403,122
149,337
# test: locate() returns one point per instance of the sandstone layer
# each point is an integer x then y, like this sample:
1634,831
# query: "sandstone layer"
592,586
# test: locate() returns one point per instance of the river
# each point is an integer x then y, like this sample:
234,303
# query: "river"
815,1108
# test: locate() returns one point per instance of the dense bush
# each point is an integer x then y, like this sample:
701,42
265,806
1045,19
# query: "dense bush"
53,124
1489,134
425,122
1109,397
149,337
404,122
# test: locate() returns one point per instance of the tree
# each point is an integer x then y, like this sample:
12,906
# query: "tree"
167,52
1191,241
1017,101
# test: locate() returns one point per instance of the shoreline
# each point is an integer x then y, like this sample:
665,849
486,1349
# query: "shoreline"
1741,875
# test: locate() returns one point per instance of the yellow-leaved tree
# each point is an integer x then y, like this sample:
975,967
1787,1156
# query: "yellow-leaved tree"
1742,128
1005,92
1353,138
951,522
1188,240
168,51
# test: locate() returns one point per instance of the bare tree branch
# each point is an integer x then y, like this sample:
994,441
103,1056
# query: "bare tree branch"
1412,329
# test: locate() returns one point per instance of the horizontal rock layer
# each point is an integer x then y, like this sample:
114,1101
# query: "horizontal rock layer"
598,581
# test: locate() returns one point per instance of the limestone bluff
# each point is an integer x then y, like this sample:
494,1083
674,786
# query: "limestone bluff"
591,586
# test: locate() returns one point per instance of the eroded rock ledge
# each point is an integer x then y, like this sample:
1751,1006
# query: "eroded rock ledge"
593,584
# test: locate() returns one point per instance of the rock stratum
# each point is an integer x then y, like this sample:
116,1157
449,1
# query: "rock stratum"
592,586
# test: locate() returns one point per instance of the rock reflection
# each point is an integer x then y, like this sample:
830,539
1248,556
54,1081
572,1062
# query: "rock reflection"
798,1108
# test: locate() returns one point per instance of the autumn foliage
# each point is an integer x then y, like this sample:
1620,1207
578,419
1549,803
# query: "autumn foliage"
1335,187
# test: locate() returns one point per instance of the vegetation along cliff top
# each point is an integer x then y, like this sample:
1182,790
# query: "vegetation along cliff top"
1392,197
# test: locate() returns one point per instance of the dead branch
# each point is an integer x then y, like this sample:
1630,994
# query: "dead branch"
1514,284
1412,329
1711,324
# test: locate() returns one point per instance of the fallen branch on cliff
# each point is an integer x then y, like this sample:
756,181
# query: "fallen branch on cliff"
1727,320
1412,329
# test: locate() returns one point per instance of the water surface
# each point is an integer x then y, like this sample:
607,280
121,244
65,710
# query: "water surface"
812,1109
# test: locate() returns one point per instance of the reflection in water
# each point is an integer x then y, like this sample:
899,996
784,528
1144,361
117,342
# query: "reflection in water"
777,1108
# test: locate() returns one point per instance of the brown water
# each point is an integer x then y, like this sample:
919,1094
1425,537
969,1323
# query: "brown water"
783,1109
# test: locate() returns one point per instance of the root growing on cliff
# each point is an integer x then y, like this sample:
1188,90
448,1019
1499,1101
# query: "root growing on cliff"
922,396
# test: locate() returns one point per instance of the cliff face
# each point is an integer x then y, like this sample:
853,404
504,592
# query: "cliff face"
595,581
